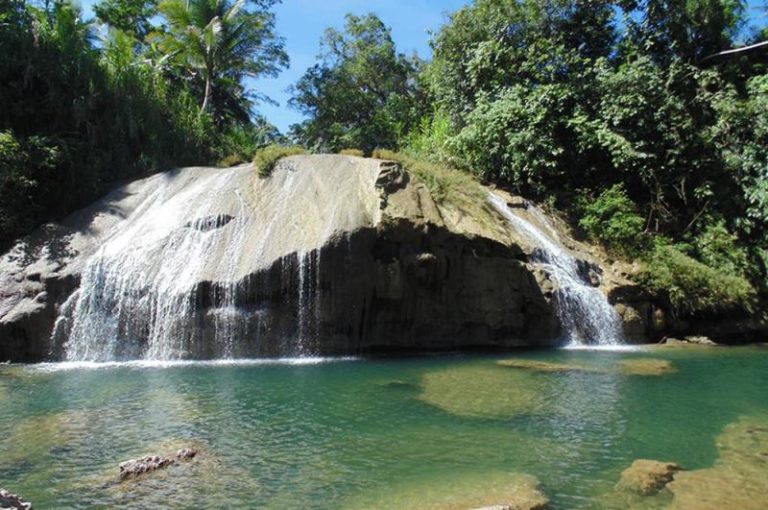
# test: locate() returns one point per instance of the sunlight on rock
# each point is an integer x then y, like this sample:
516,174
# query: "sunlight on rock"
485,391
515,491
647,366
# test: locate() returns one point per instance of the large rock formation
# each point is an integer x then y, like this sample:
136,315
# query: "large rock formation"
330,254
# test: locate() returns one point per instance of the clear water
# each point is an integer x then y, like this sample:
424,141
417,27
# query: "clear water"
353,433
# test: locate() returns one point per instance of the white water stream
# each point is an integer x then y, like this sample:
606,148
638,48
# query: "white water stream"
187,272
584,312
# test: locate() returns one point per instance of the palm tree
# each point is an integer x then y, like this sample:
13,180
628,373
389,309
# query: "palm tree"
216,44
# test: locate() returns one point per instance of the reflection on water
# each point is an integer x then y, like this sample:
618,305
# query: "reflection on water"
382,433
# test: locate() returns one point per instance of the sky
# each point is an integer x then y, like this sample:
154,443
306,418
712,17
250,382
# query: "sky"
302,23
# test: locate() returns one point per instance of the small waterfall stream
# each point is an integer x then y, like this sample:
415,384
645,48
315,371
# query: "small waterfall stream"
584,312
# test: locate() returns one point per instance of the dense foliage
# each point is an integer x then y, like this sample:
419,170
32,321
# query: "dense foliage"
362,94
78,114
620,113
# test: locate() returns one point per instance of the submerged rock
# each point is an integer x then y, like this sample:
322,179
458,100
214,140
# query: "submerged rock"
10,501
647,366
544,366
647,477
738,479
479,491
484,392
137,467
186,453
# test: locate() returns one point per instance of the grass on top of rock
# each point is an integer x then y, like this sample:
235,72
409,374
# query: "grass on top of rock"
265,159
446,184
352,152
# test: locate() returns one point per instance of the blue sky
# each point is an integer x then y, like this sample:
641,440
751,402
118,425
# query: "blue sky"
302,22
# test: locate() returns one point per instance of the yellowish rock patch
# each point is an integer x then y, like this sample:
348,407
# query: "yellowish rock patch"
484,391
647,477
739,478
516,491
647,366
544,366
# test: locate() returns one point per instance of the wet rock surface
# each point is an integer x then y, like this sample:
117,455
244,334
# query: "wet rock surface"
11,501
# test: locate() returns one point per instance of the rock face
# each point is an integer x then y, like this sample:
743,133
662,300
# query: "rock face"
328,255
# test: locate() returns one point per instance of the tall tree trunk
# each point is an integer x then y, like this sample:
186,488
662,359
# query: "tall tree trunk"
208,94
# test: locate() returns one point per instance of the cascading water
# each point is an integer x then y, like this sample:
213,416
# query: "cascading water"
584,312
188,272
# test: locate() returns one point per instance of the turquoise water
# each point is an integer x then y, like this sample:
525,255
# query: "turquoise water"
373,433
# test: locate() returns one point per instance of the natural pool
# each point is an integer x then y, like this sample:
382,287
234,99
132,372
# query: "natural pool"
425,432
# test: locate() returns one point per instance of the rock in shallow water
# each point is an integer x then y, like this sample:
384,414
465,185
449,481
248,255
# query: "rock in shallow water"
739,478
465,491
543,366
485,391
647,477
647,366
11,501
137,467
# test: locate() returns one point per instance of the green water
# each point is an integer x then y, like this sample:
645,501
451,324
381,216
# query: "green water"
371,433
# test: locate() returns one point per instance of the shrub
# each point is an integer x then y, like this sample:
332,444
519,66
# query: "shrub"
691,286
231,160
352,152
431,138
612,219
265,159
717,247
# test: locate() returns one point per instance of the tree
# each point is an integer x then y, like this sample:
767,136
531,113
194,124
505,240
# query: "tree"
363,94
216,44
130,16
683,29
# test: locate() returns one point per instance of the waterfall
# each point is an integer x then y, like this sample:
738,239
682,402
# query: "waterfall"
209,261
584,312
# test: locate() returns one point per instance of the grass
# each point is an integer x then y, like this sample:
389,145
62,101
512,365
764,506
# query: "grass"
352,152
265,159
447,185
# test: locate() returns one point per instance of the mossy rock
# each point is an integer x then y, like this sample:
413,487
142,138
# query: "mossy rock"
739,478
544,366
647,367
460,491
485,391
